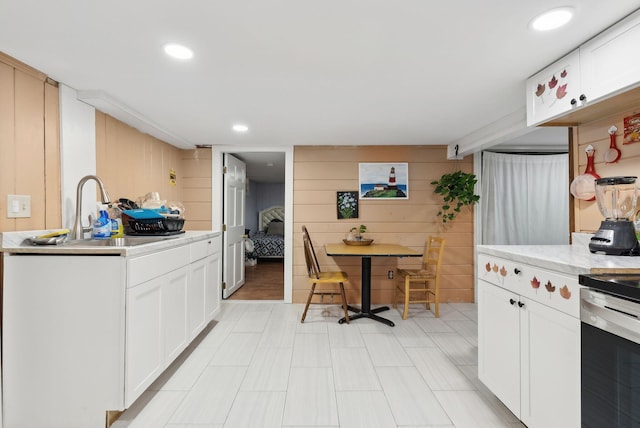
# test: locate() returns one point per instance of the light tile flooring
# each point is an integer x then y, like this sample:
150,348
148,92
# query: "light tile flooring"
260,367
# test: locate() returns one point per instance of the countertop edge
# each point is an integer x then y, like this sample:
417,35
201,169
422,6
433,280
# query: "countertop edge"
11,242
567,259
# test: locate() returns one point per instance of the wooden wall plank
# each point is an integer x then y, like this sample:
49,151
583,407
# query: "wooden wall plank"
197,184
7,144
30,147
53,202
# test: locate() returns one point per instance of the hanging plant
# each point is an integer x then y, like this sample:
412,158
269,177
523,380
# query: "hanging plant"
456,190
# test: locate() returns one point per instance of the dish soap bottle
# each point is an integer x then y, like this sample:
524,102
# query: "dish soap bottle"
115,215
102,226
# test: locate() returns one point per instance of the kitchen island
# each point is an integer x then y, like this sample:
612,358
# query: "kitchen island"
87,327
529,325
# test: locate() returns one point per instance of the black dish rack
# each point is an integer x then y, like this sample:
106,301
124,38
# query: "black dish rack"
152,226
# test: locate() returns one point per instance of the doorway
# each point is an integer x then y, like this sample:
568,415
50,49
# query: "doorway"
259,158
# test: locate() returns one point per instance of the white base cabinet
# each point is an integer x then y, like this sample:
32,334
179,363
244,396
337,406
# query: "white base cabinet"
87,334
529,341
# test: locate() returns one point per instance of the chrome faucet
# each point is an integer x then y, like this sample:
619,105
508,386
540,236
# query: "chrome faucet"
78,229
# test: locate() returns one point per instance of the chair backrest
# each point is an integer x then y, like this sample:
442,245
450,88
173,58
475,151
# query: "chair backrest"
313,268
433,251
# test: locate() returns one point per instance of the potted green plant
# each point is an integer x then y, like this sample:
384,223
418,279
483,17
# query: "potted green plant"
457,191
357,232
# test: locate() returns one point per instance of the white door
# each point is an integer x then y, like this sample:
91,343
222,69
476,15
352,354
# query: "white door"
233,219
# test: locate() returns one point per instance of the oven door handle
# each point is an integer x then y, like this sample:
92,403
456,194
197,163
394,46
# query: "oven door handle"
617,316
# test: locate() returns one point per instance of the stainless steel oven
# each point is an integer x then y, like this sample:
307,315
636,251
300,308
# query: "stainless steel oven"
610,342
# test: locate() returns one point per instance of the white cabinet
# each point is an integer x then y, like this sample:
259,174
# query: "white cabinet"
555,90
609,62
529,341
602,67
204,288
550,377
196,297
212,290
499,344
86,334
156,329
171,296
144,342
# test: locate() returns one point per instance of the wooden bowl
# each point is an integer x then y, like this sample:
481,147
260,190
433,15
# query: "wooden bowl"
360,243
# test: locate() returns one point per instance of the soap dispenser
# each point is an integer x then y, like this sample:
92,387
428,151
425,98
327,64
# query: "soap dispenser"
102,225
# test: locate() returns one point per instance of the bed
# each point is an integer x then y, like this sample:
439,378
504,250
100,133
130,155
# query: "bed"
268,241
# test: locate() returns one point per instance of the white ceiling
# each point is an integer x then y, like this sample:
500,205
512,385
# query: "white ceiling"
331,72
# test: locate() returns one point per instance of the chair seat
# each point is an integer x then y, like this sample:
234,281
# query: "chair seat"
327,277
416,273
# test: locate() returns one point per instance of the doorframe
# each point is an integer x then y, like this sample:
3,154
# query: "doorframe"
217,152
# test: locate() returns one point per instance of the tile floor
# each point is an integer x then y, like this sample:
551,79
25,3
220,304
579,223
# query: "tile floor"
260,367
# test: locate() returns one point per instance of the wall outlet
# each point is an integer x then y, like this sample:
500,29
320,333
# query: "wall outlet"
18,206
390,274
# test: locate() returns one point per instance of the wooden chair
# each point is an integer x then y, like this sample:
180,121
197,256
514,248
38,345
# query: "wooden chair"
316,277
428,278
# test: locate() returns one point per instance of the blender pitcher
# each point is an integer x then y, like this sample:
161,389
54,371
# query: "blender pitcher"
616,198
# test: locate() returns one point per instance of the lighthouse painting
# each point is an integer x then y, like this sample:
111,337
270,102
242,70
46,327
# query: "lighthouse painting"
384,181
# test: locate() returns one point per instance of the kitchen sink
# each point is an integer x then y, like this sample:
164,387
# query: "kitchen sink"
127,241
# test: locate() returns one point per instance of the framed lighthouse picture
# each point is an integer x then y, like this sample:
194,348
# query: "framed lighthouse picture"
384,180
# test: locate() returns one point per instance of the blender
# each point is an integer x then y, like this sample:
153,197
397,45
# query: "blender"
616,198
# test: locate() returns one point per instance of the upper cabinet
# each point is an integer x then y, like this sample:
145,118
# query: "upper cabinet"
554,90
601,68
609,63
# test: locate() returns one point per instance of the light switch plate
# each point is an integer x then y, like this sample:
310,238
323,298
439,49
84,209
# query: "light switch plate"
18,206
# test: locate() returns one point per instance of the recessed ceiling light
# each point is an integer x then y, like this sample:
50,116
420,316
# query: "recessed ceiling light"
240,127
552,19
178,51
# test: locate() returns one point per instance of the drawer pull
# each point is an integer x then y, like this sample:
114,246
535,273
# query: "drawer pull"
517,271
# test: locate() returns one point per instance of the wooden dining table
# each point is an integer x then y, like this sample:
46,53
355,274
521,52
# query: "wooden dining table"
366,253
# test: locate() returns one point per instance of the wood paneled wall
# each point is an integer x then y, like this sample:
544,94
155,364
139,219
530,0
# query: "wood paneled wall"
132,164
196,199
319,172
29,145
586,213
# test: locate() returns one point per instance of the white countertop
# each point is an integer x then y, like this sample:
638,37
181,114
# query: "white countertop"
14,242
570,259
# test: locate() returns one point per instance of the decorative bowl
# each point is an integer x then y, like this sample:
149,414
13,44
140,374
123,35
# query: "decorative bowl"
361,242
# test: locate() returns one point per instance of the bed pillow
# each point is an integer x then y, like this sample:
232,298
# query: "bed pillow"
276,228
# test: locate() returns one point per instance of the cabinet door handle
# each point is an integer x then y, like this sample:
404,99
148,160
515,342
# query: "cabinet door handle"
583,97
512,301
574,101
517,271
520,304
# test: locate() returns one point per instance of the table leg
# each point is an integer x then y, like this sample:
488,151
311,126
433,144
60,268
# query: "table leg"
366,311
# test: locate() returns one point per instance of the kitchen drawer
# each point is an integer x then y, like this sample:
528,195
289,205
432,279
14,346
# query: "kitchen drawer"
201,249
149,266
549,288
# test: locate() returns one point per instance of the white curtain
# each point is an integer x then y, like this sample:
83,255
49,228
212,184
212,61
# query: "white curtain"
524,199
